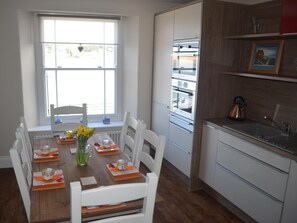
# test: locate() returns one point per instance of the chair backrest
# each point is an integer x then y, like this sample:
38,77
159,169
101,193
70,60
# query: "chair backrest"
67,110
116,194
153,158
23,125
22,172
20,134
130,136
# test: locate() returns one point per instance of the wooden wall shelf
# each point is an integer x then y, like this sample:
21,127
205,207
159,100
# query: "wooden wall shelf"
261,36
261,76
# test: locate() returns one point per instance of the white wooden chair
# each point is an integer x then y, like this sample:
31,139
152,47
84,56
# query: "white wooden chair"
20,134
23,172
23,125
156,146
116,194
130,135
67,110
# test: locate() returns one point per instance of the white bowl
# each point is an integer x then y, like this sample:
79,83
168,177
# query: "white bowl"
45,149
48,173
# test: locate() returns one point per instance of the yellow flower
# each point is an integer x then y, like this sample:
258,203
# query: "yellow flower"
83,133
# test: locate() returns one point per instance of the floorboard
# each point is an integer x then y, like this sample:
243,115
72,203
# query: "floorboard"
178,205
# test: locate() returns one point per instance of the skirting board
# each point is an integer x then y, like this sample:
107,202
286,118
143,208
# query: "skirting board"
5,162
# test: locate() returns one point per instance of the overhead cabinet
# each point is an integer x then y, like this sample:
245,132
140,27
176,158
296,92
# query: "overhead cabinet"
187,22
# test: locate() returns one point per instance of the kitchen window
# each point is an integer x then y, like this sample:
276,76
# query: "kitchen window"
77,60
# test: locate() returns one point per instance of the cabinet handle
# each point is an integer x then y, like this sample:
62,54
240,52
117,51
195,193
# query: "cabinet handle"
182,149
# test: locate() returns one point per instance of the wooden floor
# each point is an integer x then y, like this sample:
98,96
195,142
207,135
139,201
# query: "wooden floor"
179,205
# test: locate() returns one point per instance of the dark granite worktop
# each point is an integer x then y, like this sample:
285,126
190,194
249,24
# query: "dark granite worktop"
219,123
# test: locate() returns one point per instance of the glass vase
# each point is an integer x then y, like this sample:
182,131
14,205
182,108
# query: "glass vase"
82,153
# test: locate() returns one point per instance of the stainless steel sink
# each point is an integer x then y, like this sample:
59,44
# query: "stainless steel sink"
267,134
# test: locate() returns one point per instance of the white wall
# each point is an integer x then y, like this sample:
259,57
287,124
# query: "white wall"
17,52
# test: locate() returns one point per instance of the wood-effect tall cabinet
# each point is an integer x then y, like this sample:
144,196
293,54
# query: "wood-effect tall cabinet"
202,20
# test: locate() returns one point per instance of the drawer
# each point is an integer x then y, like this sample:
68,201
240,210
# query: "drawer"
254,171
181,137
259,153
178,157
254,202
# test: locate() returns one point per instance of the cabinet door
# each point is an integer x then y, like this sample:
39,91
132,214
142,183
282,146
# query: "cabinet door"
290,206
208,154
289,17
187,22
178,157
162,58
160,119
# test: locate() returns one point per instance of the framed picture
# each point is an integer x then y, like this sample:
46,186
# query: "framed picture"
266,56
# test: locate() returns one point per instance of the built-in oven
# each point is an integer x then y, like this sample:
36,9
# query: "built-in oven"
185,60
183,96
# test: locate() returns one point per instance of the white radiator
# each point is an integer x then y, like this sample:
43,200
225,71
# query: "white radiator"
115,136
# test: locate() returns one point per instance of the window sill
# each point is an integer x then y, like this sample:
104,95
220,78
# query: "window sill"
98,126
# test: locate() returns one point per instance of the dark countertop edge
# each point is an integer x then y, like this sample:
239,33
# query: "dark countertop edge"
218,123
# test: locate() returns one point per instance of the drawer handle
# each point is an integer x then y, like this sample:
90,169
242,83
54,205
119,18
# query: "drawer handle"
182,149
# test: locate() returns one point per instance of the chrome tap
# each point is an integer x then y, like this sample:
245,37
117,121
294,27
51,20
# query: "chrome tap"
288,126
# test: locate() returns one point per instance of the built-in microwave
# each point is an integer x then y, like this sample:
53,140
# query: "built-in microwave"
185,60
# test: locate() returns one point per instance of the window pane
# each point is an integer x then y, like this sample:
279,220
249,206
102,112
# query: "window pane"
78,87
49,52
90,56
110,56
79,31
50,82
110,91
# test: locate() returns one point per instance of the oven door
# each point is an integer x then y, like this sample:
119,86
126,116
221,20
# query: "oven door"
185,66
182,102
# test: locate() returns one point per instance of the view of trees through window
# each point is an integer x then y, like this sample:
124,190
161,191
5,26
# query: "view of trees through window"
80,62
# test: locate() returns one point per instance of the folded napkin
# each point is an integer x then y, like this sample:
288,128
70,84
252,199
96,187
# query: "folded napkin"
53,153
114,146
56,177
115,169
62,141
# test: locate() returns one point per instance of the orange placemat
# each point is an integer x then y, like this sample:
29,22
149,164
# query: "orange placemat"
63,141
48,186
86,210
113,152
127,176
43,160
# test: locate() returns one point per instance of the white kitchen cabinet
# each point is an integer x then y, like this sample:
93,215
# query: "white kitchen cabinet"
187,22
179,149
160,120
290,206
208,154
163,42
178,157
253,170
252,178
260,206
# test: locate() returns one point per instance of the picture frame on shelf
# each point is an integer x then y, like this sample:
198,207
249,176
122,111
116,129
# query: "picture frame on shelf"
266,56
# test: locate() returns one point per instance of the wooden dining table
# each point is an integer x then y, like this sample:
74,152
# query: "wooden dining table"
53,205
